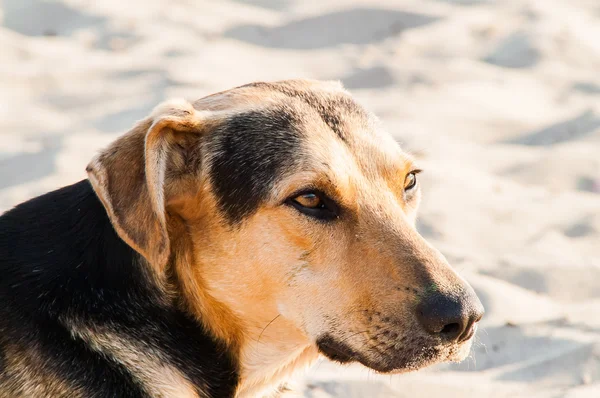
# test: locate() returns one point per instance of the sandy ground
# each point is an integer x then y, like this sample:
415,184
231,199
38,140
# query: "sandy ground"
500,100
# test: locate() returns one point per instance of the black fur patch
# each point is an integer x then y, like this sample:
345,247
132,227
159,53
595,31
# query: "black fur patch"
61,259
251,151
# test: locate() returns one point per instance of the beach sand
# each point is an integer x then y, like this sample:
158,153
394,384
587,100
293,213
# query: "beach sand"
499,101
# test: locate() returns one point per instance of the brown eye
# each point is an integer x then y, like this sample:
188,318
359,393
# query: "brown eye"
309,200
314,204
411,181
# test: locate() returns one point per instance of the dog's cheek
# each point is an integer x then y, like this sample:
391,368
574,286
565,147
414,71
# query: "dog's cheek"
412,208
303,303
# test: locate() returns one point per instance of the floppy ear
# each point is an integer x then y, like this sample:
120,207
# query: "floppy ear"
132,175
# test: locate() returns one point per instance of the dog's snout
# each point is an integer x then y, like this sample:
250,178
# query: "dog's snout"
451,317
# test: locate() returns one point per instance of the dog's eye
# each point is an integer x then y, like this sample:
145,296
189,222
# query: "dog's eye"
309,200
411,180
314,204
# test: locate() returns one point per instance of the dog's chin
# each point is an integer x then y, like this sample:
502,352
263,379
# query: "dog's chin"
397,361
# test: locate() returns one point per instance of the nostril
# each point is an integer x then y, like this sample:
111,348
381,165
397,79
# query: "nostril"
445,316
450,331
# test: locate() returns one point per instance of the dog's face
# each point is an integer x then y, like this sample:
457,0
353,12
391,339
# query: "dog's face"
286,203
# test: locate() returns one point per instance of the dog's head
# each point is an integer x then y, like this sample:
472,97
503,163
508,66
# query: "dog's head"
286,203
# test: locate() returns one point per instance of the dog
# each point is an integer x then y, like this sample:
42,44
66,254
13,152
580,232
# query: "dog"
219,246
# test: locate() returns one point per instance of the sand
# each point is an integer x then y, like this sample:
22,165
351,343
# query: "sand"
500,101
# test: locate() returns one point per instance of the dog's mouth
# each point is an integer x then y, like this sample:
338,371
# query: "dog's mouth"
336,350
392,357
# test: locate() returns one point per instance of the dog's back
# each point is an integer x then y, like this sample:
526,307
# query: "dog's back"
76,302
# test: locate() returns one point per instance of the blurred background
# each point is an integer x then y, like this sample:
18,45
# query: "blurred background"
500,101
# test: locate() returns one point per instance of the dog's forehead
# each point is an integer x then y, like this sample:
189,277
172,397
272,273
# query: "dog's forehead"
260,92
307,101
267,129
328,100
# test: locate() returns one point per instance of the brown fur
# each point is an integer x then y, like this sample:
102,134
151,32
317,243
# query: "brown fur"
158,379
272,285
35,375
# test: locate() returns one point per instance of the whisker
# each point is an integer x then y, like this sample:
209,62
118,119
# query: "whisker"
265,328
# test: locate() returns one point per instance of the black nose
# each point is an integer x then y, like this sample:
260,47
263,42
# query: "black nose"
450,316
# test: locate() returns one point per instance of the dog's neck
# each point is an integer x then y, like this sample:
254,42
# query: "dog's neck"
270,351
269,348
270,356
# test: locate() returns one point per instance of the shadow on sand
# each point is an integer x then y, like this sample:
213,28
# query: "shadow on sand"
354,26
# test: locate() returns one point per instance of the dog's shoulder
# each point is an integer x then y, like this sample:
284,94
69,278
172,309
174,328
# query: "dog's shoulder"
82,316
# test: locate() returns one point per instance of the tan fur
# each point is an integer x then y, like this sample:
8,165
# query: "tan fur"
214,314
288,280
158,380
26,374
138,160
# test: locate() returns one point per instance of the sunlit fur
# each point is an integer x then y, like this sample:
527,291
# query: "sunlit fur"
200,191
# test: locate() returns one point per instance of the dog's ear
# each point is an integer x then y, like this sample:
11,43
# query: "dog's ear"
133,176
